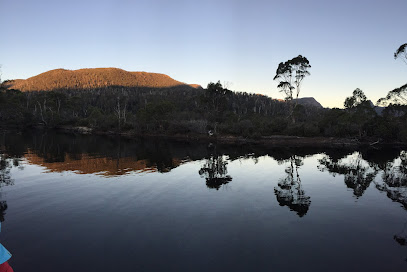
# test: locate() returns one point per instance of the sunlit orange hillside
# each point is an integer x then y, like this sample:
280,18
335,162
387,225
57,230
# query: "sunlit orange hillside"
93,78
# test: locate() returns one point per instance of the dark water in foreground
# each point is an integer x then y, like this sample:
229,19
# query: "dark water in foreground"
86,203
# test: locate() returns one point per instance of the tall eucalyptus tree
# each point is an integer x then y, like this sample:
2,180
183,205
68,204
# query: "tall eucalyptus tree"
290,75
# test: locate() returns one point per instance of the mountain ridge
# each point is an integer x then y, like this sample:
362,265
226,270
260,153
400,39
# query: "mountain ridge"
90,78
93,78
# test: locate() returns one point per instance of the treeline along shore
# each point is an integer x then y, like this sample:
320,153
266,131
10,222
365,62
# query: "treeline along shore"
113,101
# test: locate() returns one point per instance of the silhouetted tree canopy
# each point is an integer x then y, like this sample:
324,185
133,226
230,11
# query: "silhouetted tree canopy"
217,89
401,52
357,98
397,96
290,75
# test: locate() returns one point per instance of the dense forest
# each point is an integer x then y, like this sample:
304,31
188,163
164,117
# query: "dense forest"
181,109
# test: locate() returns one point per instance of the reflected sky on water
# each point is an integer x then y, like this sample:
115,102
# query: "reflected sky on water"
90,203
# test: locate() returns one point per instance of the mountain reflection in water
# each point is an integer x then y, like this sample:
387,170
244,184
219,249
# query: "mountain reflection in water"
213,166
115,156
105,166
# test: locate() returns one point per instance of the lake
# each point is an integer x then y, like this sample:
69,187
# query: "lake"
93,203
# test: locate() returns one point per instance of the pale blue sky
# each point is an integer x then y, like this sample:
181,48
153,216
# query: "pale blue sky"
349,43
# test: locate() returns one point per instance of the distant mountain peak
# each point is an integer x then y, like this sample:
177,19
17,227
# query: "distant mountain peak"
309,101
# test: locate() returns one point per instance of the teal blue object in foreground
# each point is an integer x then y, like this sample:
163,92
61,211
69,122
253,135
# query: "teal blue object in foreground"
4,254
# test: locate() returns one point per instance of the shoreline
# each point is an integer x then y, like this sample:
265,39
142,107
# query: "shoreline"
268,141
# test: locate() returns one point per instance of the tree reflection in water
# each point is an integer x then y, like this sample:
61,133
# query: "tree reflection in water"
385,169
394,179
5,166
358,173
3,208
5,179
289,191
215,171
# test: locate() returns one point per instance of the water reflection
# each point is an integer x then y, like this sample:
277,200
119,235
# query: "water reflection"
6,163
394,179
5,166
362,168
357,173
93,155
359,170
215,171
116,156
401,237
289,191
3,208
395,172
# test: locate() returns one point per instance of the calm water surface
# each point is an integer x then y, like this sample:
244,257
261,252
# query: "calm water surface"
86,203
